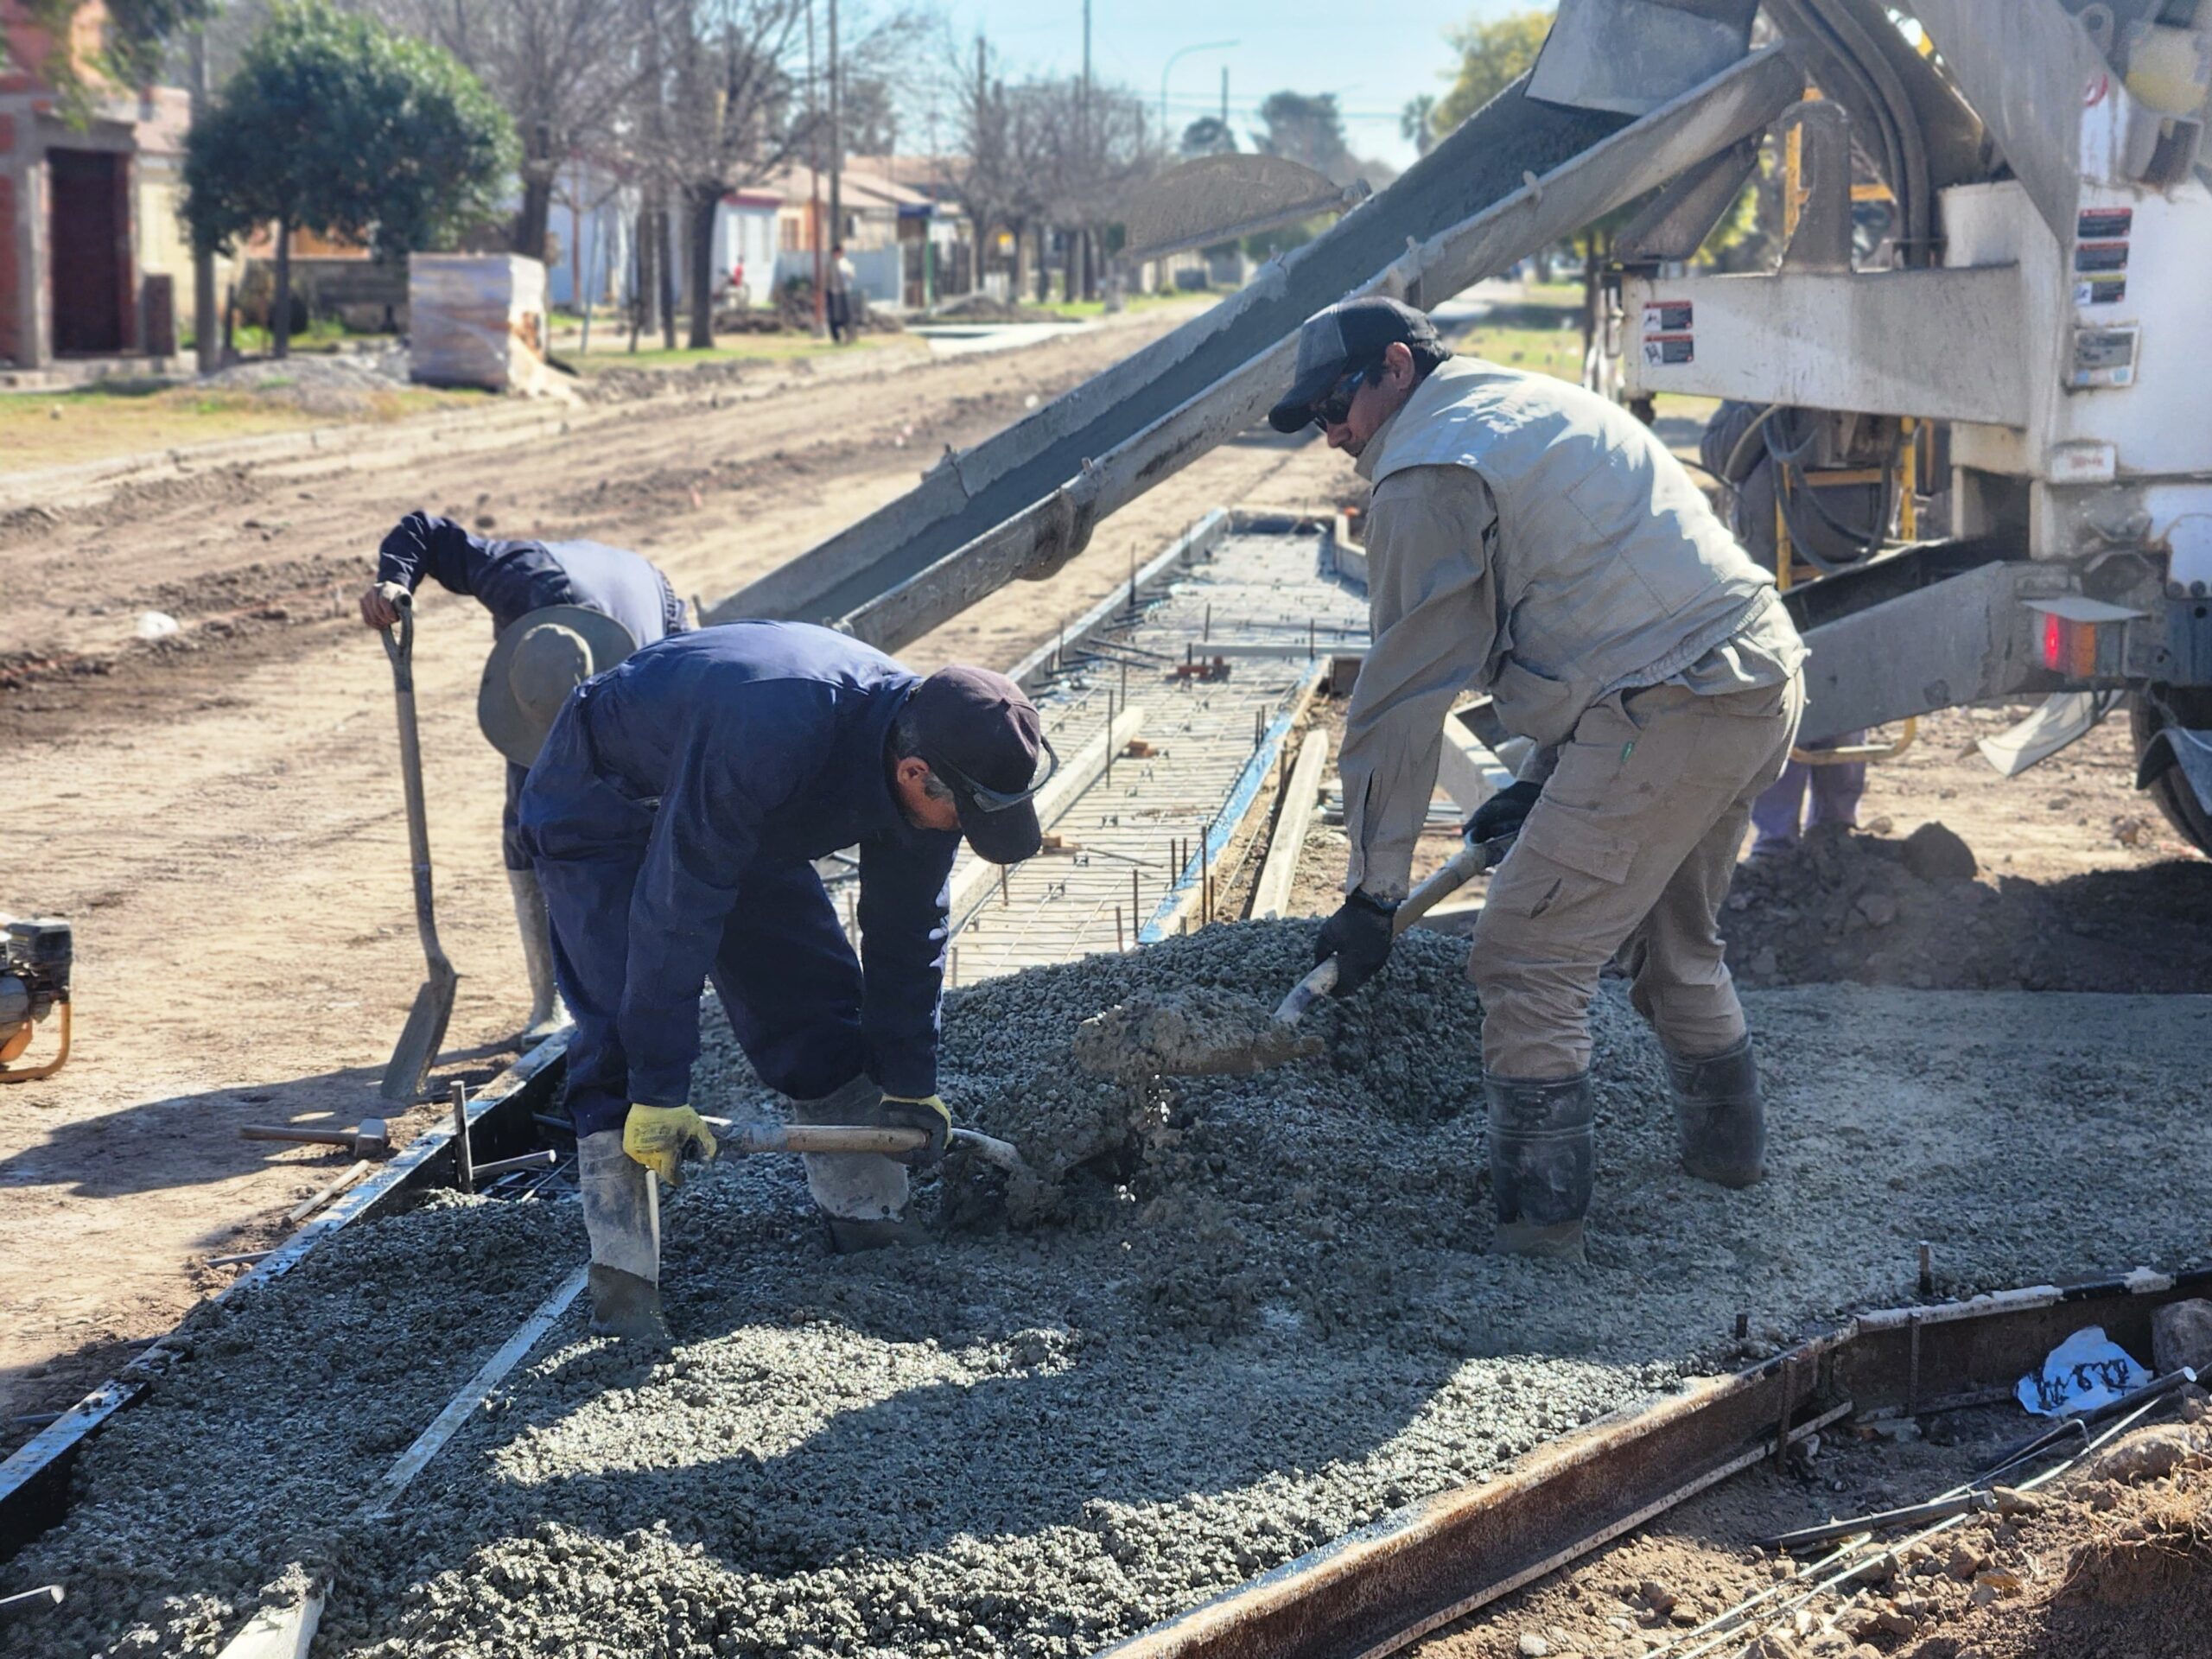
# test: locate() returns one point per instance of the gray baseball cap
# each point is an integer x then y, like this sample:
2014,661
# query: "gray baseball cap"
1334,342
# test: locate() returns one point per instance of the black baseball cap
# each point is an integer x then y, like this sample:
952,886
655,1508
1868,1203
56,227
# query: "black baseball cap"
981,734
1334,342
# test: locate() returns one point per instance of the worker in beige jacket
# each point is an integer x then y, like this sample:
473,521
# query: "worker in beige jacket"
1532,540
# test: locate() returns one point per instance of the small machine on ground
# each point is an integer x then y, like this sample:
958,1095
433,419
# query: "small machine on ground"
35,957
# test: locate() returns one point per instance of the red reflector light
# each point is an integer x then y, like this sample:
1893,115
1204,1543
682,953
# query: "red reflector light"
2069,647
2053,642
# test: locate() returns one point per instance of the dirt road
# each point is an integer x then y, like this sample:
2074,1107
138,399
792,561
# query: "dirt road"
217,813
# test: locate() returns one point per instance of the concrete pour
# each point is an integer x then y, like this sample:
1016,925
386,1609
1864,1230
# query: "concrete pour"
1259,1314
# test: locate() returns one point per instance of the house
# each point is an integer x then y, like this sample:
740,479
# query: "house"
902,241
93,260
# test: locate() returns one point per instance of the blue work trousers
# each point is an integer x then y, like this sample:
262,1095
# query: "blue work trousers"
786,976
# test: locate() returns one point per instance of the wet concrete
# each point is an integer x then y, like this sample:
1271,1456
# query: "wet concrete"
1259,1312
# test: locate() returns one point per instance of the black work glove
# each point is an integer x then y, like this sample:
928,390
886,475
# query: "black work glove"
1358,936
1503,813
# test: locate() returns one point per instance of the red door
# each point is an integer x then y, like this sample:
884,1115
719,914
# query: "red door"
88,251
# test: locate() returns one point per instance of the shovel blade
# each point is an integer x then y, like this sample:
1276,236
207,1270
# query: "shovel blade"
419,1040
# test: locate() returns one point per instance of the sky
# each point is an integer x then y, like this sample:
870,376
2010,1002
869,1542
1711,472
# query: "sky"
1373,55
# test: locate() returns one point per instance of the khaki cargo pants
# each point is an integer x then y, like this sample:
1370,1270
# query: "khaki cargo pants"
1633,844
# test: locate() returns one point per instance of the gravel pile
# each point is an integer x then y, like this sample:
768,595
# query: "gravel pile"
1256,1313
1915,911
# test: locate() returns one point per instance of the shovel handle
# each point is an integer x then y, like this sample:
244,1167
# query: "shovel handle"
1470,861
303,1137
745,1139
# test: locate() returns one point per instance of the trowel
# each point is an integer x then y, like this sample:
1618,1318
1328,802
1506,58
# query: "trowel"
1192,1037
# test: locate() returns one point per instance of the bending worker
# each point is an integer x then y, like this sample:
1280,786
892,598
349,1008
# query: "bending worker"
1529,538
674,816
561,612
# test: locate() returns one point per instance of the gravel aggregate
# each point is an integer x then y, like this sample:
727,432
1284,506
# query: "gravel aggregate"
1257,1311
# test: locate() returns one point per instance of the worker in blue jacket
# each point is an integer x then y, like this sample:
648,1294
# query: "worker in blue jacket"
561,612
674,818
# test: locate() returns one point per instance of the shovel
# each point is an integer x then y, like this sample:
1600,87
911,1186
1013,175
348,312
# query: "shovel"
426,1022
1195,1035
750,1139
1464,866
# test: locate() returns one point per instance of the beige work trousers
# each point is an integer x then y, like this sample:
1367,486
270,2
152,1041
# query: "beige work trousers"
1632,844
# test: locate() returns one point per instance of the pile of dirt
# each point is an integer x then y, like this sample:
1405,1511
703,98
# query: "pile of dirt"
982,308
320,382
1918,911
1261,1312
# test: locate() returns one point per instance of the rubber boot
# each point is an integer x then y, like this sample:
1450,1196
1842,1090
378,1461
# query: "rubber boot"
1541,1164
625,1277
861,1196
546,1013
1718,1116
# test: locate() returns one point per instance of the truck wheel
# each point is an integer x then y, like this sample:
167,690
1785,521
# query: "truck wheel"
2170,789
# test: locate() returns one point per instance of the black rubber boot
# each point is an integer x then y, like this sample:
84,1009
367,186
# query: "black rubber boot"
624,1305
1719,1114
1541,1164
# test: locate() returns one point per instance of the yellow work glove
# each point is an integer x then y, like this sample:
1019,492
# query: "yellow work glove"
930,1114
658,1136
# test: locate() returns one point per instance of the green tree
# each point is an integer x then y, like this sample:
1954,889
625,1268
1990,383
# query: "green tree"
1417,122
1492,56
132,37
334,123
1308,129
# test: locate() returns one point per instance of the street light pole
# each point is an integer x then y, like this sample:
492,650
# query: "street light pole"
1173,58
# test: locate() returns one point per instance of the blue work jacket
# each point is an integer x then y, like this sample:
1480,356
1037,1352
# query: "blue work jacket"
511,579
734,748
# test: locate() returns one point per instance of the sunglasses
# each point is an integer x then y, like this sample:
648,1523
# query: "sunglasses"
1335,407
986,799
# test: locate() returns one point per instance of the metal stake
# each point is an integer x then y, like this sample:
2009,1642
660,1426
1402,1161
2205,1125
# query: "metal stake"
1121,944
1109,737
464,1171
1136,907
1004,900
1927,1268
1205,625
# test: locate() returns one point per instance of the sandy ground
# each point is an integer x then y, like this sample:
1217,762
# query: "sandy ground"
219,816
2113,1559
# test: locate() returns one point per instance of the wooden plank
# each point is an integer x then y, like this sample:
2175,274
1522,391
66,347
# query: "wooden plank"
1271,893
1189,889
328,1190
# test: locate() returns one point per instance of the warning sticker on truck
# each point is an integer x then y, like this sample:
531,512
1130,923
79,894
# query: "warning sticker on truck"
2105,288
1661,350
1666,317
2103,357
2103,223
2101,255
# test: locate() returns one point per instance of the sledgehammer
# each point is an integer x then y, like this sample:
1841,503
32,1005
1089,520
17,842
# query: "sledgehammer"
372,1140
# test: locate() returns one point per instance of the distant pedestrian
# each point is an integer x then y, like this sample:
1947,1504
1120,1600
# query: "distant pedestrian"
837,293
1836,787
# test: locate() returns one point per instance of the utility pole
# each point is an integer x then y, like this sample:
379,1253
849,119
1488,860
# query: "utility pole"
814,166
1224,98
207,331
836,136
1090,161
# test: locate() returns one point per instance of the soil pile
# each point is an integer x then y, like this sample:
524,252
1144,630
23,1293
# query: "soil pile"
1915,912
1260,1314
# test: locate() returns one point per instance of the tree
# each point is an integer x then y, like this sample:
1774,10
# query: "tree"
1417,122
132,38
334,123
1492,56
1209,136
1308,130
870,115
562,68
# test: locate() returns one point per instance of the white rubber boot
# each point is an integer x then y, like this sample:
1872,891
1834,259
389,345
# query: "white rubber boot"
862,1195
625,1279
546,1013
